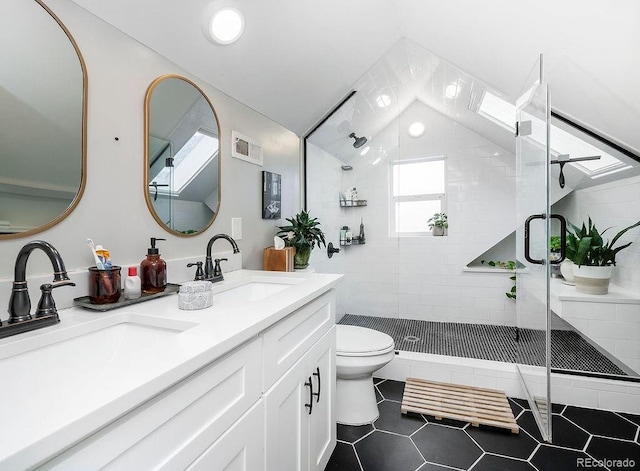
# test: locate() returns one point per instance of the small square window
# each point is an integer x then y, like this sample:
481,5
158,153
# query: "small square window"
417,193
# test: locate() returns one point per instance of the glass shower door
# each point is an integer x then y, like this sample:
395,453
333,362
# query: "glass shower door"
533,273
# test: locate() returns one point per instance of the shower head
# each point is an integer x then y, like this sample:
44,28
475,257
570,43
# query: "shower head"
360,141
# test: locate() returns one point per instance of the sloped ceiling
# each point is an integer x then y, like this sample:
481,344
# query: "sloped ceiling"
297,58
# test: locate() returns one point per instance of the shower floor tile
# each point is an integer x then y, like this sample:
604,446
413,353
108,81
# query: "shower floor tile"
569,350
428,445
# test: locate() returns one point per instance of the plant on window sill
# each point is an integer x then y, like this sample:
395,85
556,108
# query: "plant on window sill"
438,223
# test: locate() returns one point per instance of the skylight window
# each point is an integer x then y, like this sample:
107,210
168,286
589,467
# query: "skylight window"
188,162
498,110
503,113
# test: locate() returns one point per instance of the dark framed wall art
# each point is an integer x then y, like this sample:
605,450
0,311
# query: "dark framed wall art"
271,195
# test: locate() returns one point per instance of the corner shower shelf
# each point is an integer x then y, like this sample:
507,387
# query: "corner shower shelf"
352,203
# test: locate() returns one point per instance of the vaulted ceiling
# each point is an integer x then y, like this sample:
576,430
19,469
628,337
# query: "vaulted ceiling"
298,58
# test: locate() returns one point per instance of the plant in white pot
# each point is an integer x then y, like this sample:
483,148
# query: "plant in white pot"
593,258
438,223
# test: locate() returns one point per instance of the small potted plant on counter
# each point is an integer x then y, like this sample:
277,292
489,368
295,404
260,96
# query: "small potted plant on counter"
304,234
593,258
438,223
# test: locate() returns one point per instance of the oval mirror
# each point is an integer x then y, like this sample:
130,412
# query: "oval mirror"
182,166
42,119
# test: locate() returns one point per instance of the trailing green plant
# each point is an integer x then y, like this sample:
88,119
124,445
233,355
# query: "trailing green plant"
302,232
508,265
586,246
438,220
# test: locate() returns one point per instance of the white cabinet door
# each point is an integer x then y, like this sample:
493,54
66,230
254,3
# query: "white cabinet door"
300,427
239,449
322,421
286,422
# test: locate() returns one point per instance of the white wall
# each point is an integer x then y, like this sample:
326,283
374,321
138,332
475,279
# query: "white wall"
112,210
420,277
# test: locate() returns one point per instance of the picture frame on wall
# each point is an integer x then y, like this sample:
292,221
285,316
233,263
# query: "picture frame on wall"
271,195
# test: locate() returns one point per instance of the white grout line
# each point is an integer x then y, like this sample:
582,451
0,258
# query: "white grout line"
476,461
357,457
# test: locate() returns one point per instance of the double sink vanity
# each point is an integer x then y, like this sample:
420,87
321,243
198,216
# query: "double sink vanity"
248,383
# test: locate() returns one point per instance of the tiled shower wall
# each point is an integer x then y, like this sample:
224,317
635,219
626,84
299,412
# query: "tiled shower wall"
615,205
419,277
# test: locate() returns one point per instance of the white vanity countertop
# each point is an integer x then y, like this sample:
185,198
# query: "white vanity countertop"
62,382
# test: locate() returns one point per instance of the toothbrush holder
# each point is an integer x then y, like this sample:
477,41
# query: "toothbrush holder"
104,285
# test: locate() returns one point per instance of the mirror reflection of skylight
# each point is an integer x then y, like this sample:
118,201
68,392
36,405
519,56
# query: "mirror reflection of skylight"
503,113
189,161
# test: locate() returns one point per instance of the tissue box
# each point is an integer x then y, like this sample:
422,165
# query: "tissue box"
194,295
278,260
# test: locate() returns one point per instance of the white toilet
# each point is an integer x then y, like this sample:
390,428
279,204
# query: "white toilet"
359,353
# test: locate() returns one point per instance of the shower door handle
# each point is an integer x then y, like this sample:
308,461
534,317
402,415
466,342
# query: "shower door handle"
563,238
527,238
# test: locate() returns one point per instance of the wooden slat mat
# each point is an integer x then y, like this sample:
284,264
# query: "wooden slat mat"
478,406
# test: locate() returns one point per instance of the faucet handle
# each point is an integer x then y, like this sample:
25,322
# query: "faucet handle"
217,271
199,272
46,305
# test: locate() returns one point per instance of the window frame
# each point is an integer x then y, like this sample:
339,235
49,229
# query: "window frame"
442,197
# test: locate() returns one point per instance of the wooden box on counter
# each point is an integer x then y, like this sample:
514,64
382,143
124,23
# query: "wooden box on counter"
278,260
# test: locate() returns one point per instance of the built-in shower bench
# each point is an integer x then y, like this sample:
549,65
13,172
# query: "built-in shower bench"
611,320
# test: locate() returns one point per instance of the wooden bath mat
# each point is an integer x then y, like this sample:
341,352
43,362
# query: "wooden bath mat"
478,406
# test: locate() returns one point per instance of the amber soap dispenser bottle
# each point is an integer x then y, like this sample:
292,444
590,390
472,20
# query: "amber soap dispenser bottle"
153,270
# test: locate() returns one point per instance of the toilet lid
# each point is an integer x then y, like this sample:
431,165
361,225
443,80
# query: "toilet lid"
354,341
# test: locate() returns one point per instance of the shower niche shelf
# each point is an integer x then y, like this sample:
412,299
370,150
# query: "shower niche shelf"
352,203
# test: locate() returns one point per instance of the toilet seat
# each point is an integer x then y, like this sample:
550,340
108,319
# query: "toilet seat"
354,341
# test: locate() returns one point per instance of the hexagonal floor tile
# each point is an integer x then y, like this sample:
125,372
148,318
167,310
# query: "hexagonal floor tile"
504,443
601,422
343,459
550,458
445,445
610,449
392,390
564,433
500,463
381,451
353,433
392,420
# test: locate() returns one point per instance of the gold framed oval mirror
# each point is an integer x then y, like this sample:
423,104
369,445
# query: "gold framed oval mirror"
182,162
43,104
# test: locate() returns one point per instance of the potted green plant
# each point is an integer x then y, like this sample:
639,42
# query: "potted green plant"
438,223
303,234
593,257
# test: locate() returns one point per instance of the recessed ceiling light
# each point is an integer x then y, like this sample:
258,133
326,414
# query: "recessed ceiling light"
416,129
451,90
383,101
226,25
365,150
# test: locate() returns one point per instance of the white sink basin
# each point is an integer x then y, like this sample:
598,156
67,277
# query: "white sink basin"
114,342
254,288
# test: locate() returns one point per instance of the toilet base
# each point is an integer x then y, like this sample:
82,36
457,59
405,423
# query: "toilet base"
356,401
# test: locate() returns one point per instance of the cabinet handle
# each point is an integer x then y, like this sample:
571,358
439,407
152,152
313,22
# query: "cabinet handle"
317,373
310,404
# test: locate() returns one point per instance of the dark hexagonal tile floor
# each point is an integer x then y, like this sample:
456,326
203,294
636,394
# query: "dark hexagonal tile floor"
395,442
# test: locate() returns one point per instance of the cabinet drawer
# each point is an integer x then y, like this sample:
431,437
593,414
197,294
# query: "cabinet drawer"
171,430
287,341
